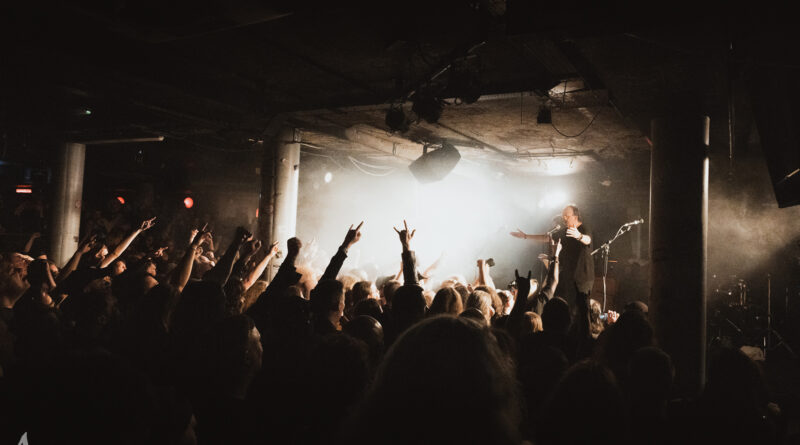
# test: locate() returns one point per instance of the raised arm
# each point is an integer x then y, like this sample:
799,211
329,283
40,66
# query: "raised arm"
515,318
259,268
399,275
286,276
29,244
551,282
409,259
184,270
484,279
222,270
246,252
335,265
535,237
432,268
84,247
122,246
48,276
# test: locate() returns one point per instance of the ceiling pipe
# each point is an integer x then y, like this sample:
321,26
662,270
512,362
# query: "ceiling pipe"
122,141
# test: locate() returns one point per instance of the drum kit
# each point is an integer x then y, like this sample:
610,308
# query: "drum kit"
736,319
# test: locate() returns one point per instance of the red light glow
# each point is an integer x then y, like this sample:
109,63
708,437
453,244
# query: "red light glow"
188,202
121,199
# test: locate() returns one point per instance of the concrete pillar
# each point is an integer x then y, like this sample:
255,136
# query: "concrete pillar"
678,234
280,179
68,195
266,204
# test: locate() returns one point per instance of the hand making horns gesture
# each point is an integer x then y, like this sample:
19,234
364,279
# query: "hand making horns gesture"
405,235
352,236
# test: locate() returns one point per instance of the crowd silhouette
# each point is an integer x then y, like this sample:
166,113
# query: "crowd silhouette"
164,337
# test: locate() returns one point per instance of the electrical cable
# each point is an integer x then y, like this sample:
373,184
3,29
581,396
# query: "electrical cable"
564,101
331,158
370,173
378,167
579,133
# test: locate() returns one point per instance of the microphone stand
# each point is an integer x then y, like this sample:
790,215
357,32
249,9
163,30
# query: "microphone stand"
604,249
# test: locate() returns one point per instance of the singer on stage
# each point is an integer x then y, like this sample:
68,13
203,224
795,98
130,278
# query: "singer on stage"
575,261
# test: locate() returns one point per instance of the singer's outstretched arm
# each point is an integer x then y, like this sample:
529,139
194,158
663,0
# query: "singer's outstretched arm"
522,235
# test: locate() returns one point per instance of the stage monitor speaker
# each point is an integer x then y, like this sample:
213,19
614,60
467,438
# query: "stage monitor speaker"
775,98
435,165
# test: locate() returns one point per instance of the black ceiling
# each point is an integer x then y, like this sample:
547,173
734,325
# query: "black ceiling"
224,74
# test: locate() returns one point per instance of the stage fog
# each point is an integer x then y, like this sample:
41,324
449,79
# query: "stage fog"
466,216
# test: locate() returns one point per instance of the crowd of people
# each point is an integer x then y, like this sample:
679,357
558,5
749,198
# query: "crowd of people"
173,339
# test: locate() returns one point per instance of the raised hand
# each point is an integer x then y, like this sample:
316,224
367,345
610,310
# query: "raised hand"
251,247
197,231
573,232
518,234
523,284
160,252
273,249
86,245
242,235
293,246
353,235
405,235
200,237
148,223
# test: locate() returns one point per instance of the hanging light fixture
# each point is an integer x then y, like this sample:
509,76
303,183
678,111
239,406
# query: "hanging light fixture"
427,107
396,119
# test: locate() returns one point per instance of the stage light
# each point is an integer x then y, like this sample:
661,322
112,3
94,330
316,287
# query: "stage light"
544,116
188,202
328,177
396,119
121,200
435,165
24,189
427,107
80,112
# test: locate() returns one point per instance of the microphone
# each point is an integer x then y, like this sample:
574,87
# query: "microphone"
633,223
554,229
